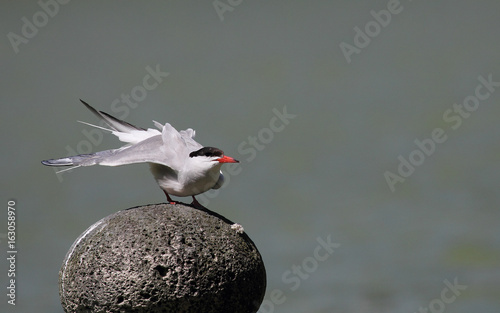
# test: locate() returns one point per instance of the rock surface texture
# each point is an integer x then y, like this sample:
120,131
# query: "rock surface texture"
162,258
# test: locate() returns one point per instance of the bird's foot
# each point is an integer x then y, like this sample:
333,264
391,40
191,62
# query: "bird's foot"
196,204
170,199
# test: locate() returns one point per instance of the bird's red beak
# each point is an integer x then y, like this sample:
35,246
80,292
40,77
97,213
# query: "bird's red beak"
226,159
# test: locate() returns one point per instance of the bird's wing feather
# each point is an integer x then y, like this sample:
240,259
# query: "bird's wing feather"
125,132
191,144
113,122
136,136
149,150
171,149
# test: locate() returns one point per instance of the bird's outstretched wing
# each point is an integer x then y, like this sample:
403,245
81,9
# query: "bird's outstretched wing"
169,148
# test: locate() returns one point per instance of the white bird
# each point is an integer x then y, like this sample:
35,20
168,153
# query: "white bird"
181,166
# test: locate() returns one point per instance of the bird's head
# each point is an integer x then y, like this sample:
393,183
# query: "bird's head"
210,157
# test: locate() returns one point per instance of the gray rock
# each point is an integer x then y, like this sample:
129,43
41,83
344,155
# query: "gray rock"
162,258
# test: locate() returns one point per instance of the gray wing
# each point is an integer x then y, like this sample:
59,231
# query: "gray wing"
149,150
172,149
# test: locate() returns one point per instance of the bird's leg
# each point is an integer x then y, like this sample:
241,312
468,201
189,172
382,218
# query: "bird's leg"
168,198
196,204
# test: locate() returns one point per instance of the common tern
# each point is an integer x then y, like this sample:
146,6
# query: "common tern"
181,166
